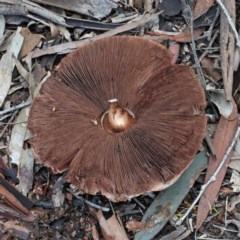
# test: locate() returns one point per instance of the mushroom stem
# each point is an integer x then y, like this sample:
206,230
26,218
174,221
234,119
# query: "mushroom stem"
117,119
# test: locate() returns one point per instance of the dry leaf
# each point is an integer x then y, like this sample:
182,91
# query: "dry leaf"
7,65
207,65
54,30
30,41
64,31
235,180
18,136
163,208
232,203
202,7
225,132
70,46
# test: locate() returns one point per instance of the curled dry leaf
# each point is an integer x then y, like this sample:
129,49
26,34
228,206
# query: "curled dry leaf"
120,122
218,98
236,223
30,41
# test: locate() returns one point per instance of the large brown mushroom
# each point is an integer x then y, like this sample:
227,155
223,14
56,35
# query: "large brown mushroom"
120,117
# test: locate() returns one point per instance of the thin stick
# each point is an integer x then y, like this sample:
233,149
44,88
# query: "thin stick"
193,45
209,46
213,24
91,204
12,109
212,179
8,123
232,25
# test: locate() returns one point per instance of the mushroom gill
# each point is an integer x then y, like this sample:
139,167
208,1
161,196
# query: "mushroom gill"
119,117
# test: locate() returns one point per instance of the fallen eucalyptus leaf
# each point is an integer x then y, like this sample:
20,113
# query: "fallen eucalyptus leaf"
167,202
18,136
7,65
225,132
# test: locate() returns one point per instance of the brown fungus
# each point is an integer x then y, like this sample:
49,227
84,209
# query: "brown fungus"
119,117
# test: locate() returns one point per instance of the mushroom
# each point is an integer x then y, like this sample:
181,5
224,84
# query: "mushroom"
120,117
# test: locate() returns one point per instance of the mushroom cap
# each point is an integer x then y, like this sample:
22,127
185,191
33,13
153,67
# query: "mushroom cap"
161,127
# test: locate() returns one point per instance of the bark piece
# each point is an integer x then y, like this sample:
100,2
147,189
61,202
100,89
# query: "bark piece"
112,229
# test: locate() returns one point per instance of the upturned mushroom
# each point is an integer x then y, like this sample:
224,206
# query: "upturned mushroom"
120,117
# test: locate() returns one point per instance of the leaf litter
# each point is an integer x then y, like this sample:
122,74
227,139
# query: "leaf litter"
150,216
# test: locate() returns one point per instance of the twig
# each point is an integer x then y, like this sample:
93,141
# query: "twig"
209,46
213,24
13,123
210,146
232,25
91,204
139,203
225,229
123,19
7,124
193,45
212,179
12,109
